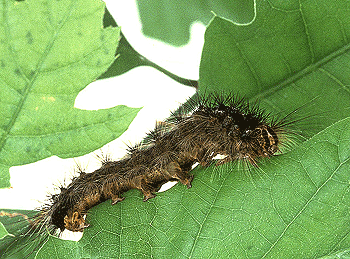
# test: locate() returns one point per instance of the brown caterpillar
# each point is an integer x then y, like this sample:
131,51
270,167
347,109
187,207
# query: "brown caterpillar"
225,126
203,128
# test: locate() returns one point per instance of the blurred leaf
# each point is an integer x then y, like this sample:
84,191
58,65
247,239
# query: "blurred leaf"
129,58
170,21
49,51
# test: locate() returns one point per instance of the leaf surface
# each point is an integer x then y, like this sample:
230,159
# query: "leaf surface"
293,56
49,51
170,21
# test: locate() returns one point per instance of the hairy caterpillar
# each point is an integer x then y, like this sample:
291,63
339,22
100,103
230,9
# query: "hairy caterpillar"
202,129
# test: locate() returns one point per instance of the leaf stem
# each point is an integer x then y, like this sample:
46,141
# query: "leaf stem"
181,80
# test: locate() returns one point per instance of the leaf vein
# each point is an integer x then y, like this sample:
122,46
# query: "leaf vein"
299,213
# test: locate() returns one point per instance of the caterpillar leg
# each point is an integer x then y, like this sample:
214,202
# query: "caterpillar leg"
148,195
147,190
175,171
117,199
188,180
75,222
186,166
205,157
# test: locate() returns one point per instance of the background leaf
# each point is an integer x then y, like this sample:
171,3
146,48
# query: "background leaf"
170,21
48,53
129,58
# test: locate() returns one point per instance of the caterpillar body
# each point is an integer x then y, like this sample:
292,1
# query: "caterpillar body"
203,128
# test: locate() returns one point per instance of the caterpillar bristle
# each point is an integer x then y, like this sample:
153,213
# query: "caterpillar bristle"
26,238
104,158
204,127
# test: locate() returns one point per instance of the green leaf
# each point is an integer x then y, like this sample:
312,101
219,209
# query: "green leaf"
129,58
57,249
290,56
16,223
3,231
294,206
170,21
49,51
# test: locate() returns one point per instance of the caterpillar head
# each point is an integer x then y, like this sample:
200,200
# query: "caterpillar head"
75,222
262,141
267,140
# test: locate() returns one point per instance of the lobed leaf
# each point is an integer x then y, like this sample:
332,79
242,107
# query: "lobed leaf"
49,51
170,21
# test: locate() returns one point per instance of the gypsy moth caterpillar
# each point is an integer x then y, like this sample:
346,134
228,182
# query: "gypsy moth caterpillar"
204,128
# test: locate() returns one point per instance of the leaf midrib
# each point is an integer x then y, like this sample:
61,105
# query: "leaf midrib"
37,70
302,73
